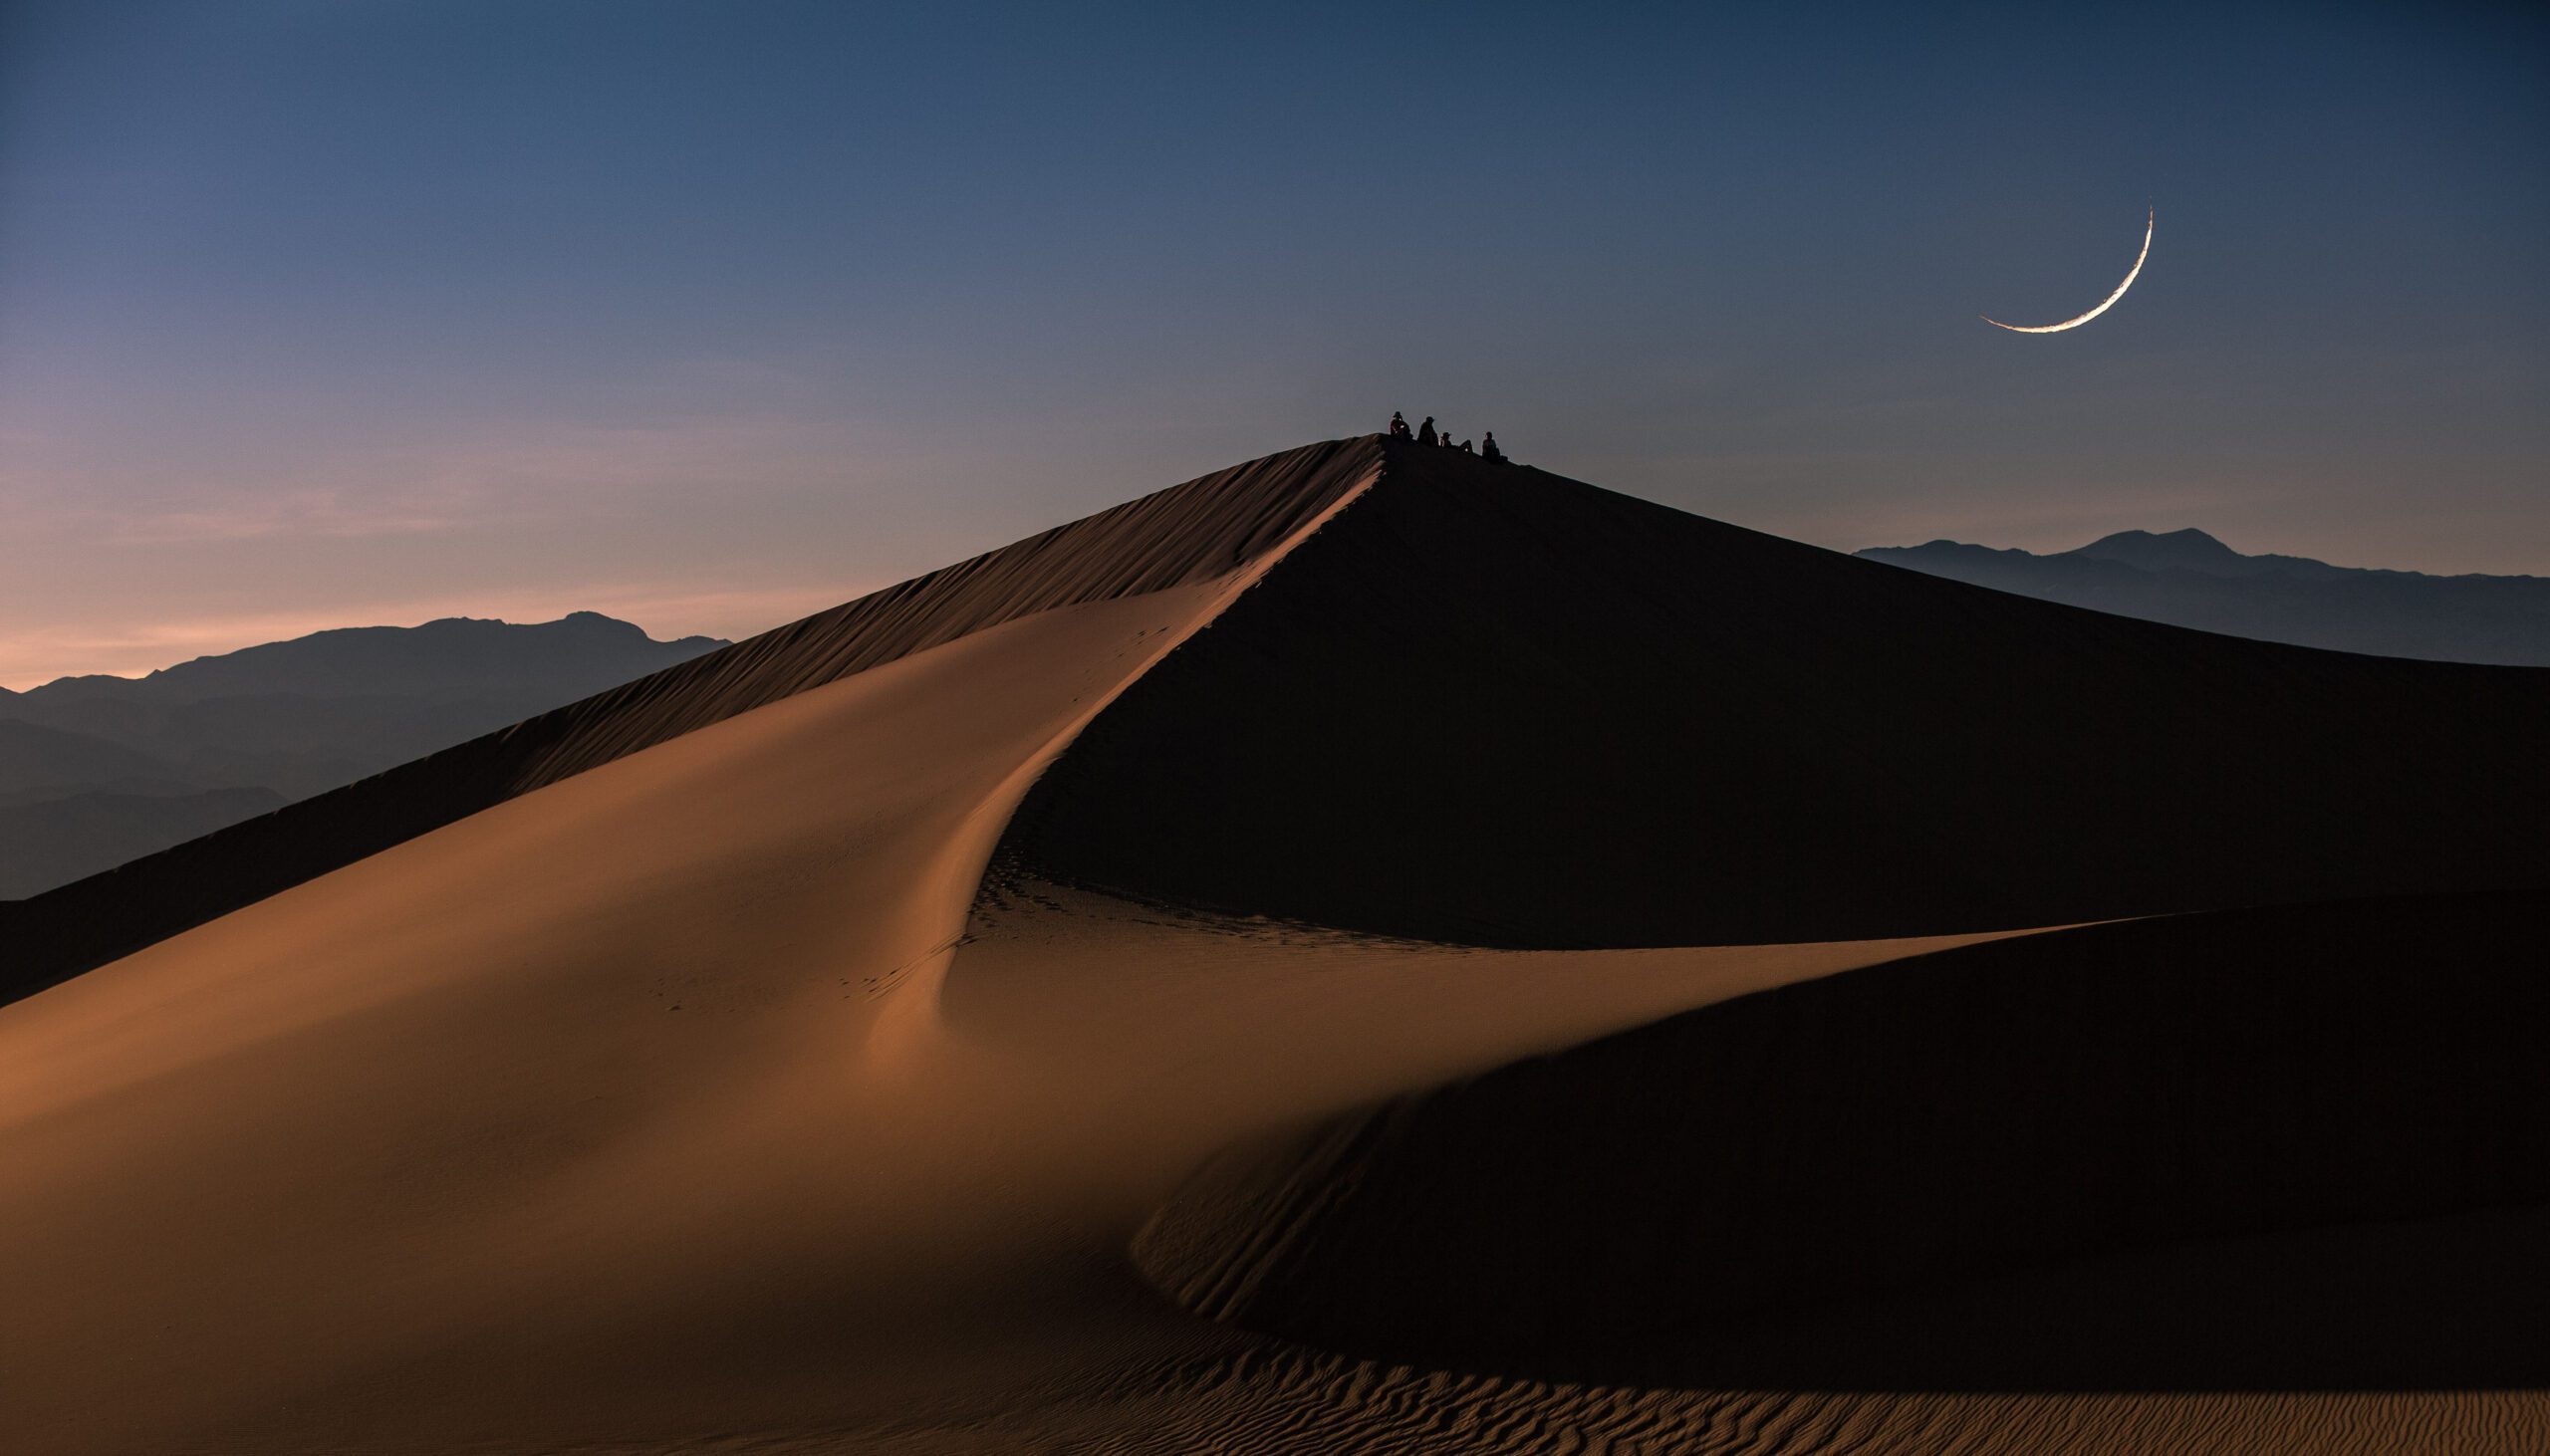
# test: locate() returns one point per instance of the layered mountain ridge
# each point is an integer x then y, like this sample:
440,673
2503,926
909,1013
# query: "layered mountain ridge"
2189,578
97,771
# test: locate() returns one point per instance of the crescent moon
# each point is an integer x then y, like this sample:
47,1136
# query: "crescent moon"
2108,303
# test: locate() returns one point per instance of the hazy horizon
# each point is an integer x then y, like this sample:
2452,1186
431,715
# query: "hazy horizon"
317,317
743,609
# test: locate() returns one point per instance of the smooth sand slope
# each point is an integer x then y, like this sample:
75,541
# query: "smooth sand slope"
977,1017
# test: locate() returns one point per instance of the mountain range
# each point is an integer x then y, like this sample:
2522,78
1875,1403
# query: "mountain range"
97,770
2189,578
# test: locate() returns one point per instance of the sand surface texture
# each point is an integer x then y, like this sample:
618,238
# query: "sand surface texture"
1364,951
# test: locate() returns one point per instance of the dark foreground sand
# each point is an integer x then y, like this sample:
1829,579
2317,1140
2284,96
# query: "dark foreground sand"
1360,952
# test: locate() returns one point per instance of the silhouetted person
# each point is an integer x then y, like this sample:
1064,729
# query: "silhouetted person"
1465,448
1398,425
1487,449
1425,431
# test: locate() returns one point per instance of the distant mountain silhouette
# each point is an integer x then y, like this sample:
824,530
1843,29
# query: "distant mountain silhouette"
2191,550
2189,578
47,841
98,770
37,762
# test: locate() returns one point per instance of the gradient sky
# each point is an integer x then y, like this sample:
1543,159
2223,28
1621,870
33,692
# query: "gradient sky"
709,314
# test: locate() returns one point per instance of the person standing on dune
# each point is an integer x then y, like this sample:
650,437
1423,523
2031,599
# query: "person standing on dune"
1425,431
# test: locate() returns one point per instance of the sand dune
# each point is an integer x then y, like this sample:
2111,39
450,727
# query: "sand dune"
2118,1157
1196,531
961,1019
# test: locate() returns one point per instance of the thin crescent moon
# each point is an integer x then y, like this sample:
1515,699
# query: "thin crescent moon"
2109,303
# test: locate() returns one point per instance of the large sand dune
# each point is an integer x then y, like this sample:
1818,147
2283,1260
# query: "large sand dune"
1296,962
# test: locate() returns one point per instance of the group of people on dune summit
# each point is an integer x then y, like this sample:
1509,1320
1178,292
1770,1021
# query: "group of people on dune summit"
1426,435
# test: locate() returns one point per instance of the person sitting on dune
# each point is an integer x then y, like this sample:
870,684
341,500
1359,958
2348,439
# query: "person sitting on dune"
1398,425
1487,449
1467,449
1425,431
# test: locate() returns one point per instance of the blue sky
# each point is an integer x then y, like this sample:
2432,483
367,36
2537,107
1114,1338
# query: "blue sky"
709,314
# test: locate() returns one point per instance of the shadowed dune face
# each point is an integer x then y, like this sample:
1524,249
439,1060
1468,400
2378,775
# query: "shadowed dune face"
1499,707
720,1063
2303,1147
